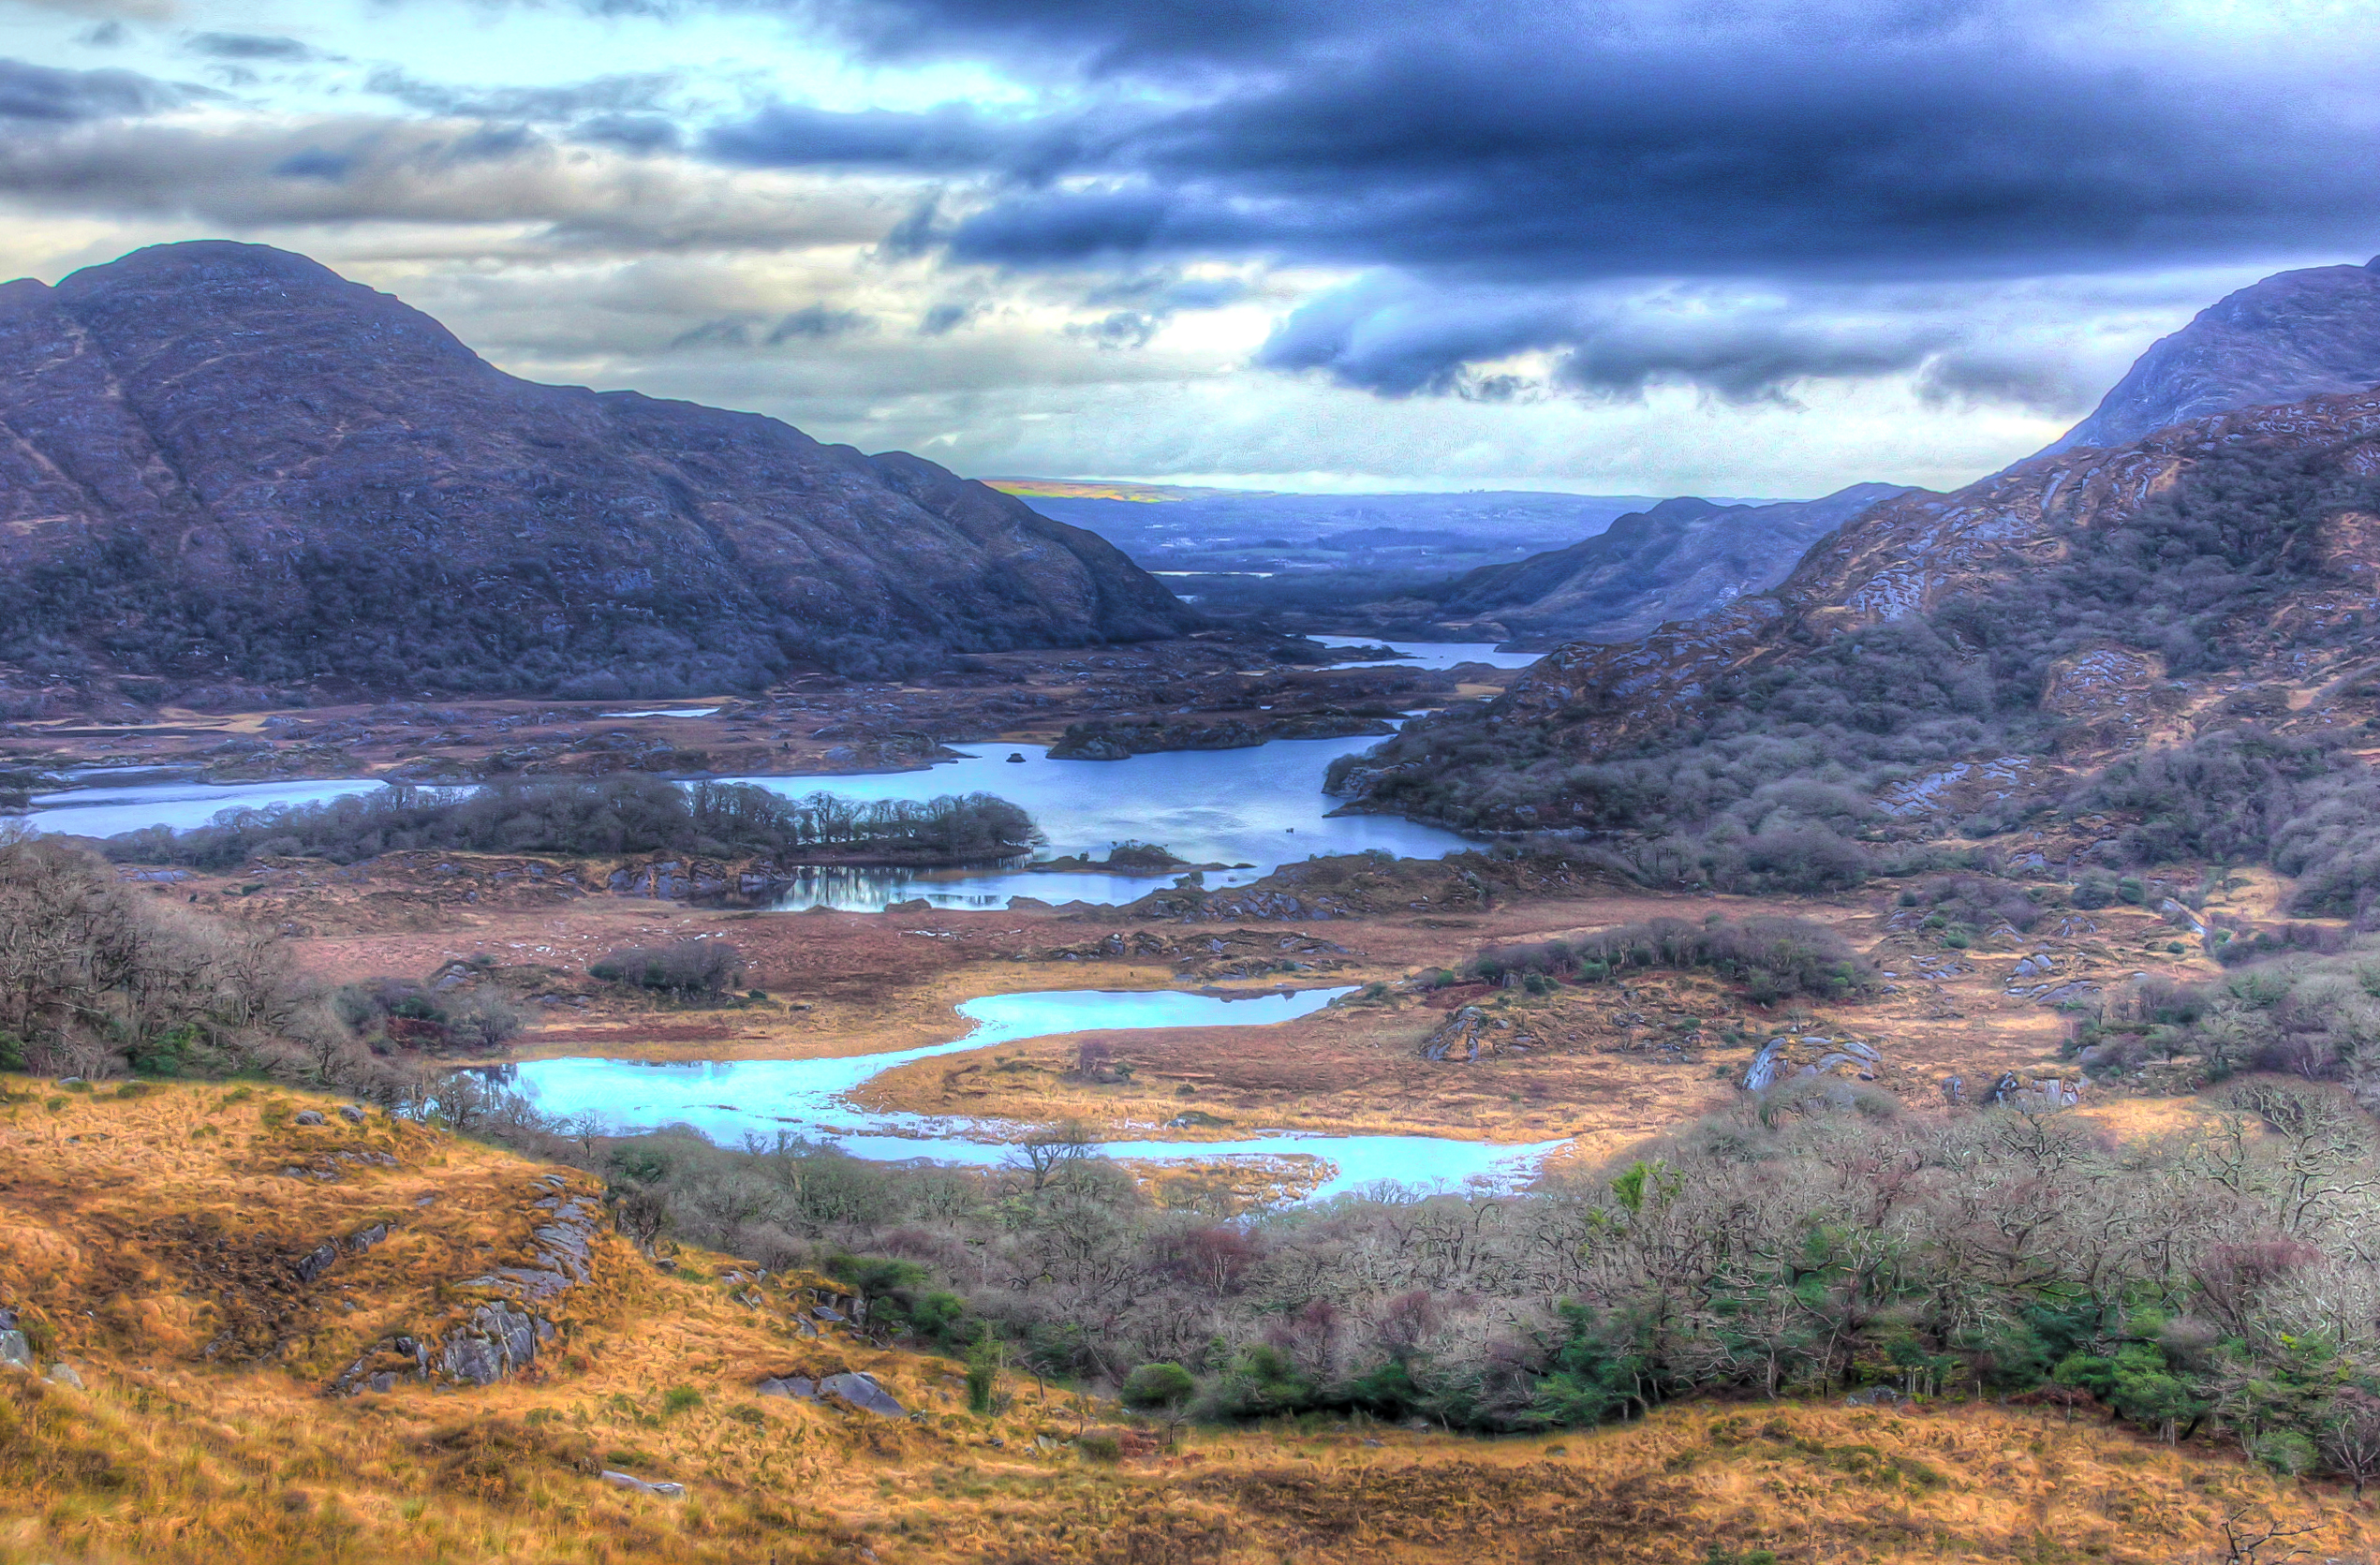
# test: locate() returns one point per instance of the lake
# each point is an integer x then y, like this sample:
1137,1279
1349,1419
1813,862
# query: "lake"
1263,807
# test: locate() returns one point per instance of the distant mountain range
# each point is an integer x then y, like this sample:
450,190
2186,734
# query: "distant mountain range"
225,470
1676,560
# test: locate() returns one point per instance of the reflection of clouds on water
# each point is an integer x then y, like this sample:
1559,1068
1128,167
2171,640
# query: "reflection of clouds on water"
729,1099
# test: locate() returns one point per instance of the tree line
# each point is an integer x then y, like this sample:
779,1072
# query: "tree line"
611,816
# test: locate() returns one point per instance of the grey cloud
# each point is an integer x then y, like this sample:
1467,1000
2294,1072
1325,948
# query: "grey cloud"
810,323
248,46
39,94
1389,335
952,139
1877,140
606,95
944,319
817,323
531,196
635,133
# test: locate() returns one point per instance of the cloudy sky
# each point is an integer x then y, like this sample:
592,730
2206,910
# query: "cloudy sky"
1724,247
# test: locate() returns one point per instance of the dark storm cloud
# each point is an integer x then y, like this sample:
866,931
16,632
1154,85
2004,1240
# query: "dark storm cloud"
1511,155
37,94
953,138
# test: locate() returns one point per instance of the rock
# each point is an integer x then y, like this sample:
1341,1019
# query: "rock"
1876,1396
496,1342
64,1373
72,1081
308,1117
1463,1036
795,1386
1028,904
861,1391
1015,760
352,1114
622,1480
15,1352
316,1262
383,1382
1780,1057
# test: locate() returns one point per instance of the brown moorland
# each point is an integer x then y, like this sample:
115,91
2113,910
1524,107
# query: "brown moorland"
169,1453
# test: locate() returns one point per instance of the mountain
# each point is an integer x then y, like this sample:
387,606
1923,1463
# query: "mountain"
223,467
2160,651
1681,558
2294,335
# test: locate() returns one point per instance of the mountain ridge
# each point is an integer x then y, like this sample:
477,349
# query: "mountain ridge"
1682,557
2290,336
224,466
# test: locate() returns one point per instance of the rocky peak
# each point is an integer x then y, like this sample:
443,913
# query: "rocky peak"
2294,335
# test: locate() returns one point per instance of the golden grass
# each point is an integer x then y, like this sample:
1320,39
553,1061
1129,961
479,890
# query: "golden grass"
242,1460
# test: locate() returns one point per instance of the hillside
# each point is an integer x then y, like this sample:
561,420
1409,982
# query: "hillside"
204,1303
229,473
2292,336
1962,664
1677,560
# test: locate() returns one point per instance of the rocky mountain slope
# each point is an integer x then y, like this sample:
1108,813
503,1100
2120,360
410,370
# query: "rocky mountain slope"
2104,658
2294,335
1679,559
224,466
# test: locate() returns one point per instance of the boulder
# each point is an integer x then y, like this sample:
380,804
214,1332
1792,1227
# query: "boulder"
351,1112
625,1481
861,1390
309,1116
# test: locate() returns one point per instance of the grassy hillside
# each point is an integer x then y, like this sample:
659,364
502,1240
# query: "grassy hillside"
151,1238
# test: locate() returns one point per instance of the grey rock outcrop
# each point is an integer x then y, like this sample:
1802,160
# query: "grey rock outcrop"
495,1343
2294,335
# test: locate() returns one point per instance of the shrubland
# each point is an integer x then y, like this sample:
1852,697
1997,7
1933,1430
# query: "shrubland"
1814,1240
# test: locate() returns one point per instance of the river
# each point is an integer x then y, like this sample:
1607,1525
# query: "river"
1263,807
730,1100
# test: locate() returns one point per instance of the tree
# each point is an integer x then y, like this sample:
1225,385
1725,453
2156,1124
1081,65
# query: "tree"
1163,1389
2351,1438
